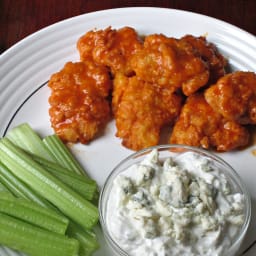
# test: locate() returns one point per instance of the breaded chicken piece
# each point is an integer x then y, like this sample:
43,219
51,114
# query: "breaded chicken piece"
199,125
110,47
210,54
234,97
170,63
120,83
78,105
141,109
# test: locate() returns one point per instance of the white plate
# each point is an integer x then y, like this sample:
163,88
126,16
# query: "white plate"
26,67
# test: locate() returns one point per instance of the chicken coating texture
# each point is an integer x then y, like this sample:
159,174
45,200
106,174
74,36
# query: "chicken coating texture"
199,125
234,96
210,54
110,47
141,109
143,82
78,105
170,63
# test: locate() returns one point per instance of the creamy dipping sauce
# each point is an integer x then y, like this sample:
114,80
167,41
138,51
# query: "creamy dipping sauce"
182,206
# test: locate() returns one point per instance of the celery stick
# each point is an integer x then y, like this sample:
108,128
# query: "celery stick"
81,184
67,200
33,213
62,154
87,239
25,137
50,148
34,241
19,188
88,243
87,189
57,166
10,182
3,188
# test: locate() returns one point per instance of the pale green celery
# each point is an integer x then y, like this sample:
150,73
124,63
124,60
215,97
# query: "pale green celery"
87,239
62,154
63,197
81,184
3,187
50,148
19,188
22,236
25,137
33,213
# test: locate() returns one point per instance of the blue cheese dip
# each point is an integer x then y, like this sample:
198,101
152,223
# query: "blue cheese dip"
182,206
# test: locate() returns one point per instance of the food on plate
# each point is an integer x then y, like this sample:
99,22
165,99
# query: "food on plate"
34,241
142,81
210,54
199,125
187,203
110,47
79,105
34,214
141,109
234,97
171,63
47,200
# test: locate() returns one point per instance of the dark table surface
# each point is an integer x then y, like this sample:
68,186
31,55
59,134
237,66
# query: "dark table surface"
20,18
